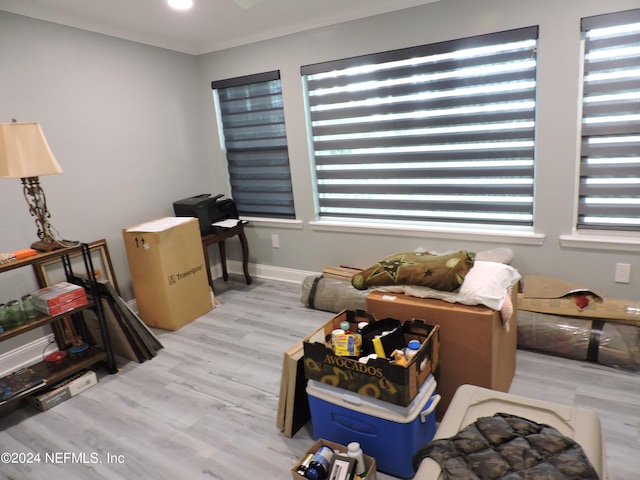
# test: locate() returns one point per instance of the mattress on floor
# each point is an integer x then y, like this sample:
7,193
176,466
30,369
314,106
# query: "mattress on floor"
471,402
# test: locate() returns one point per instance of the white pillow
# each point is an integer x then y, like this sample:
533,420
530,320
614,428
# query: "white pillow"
486,284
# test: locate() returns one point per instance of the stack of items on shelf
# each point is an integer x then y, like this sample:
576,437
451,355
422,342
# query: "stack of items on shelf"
19,383
59,298
17,255
376,374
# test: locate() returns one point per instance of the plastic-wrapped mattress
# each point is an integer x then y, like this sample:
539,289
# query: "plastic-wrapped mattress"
332,295
609,343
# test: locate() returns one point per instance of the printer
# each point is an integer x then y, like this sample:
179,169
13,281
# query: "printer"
207,210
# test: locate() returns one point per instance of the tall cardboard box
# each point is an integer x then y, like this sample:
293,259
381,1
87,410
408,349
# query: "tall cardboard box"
168,271
475,346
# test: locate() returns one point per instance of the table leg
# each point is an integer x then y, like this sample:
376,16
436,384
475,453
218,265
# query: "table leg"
205,248
223,259
245,255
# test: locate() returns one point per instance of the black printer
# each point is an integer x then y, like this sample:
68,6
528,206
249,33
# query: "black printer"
207,210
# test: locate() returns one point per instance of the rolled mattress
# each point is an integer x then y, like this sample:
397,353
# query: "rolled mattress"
332,295
608,343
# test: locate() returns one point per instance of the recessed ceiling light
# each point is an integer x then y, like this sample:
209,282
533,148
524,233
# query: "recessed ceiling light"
181,4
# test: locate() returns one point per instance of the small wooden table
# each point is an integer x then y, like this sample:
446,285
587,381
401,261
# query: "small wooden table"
219,238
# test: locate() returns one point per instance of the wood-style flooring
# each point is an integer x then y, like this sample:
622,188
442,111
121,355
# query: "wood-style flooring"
205,407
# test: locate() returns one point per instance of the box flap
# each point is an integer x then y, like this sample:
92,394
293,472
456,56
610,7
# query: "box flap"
537,286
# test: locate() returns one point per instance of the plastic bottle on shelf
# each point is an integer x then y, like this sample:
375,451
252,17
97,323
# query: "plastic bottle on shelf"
354,451
344,325
319,466
412,348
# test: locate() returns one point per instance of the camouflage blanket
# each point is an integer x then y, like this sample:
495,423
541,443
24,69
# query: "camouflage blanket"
508,447
440,272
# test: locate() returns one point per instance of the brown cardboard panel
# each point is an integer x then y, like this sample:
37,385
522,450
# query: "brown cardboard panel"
475,347
556,297
168,273
537,286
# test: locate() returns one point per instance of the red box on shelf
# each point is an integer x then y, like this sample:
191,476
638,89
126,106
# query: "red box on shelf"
59,298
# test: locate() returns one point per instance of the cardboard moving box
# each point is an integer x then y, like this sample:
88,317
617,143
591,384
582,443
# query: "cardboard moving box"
378,378
369,462
475,347
168,271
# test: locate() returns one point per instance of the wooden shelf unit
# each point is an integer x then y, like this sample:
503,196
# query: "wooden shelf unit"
71,363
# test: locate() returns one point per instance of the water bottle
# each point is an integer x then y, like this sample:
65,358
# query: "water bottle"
412,348
354,451
319,466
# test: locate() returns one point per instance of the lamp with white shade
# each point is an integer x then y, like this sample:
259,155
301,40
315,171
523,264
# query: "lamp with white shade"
25,154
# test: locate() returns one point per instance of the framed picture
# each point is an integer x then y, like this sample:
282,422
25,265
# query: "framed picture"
49,272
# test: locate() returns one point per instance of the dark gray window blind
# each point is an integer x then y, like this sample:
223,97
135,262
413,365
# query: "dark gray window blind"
609,193
438,133
255,141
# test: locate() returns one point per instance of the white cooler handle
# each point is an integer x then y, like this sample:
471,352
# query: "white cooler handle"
432,406
352,399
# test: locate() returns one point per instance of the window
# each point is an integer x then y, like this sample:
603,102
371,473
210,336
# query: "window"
254,137
437,134
609,192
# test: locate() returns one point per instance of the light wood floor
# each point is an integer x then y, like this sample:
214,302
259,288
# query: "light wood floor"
205,407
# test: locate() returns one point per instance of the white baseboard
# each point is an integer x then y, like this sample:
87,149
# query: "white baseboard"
269,272
26,354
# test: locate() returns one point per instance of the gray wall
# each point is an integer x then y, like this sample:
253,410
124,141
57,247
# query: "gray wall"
311,247
126,122
133,128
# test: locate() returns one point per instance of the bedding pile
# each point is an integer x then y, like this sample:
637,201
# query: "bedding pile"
508,447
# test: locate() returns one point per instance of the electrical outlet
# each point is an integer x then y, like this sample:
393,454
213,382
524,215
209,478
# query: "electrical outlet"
275,241
623,273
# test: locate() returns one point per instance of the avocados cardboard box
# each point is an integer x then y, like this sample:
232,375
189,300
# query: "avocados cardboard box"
378,378
558,297
475,347
168,271
369,462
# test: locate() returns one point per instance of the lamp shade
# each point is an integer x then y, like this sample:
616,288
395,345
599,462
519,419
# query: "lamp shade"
24,152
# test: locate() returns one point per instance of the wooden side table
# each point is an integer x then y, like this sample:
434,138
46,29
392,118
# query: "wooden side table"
219,238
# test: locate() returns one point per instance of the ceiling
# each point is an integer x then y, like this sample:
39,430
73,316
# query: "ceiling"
209,26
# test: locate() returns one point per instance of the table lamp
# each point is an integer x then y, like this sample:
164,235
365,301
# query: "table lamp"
25,154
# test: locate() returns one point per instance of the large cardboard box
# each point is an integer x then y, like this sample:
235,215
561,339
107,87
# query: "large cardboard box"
369,462
475,346
378,378
168,271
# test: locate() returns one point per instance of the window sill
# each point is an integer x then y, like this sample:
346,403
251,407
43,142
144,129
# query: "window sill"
273,222
496,236
601,242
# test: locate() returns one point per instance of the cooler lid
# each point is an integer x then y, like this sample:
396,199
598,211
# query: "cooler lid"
373,406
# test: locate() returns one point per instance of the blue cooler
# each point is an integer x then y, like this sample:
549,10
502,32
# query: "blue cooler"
388,432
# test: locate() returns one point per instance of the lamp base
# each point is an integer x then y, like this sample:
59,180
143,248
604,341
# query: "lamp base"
44,246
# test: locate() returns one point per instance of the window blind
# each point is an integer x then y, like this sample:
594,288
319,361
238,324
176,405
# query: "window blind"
609,191
438,133
255,141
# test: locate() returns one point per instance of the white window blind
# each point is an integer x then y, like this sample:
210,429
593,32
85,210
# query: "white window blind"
609,193
255,141
438,133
